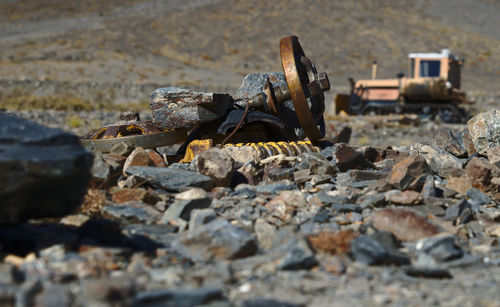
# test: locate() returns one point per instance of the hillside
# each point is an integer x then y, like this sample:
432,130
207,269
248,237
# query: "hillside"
211,45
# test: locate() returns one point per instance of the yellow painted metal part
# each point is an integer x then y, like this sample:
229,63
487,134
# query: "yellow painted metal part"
195,147
265,149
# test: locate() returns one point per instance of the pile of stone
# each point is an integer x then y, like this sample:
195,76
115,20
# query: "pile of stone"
345,225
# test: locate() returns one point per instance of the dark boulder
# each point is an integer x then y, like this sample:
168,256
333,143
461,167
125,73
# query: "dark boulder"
44,171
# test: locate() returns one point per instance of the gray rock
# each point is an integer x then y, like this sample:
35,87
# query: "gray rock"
174,107
440,248
160,235
10,274
294,253
428,272
253,84
478,197
377,249
266,233
44,171
54,295
290,252
178,297
181,208
219,239
276,187
171,179
259,302
201,217
132,212
372,200
215,163
461,213
484,129
445,140
429,189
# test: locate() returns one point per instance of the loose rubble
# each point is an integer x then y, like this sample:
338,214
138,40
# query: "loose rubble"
220,232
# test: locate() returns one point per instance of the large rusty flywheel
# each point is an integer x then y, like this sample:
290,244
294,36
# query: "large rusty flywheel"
305,84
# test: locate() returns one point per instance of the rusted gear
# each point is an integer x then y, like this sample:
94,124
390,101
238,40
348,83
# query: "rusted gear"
134,133
304,83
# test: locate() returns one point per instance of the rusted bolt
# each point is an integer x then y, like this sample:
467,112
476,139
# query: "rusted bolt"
324,83
129,116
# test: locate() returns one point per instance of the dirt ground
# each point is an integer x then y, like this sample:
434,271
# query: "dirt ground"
77,64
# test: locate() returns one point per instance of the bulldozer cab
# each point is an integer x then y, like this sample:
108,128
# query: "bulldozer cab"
442,65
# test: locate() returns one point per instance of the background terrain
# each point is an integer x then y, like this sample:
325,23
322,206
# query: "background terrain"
117,51
83,62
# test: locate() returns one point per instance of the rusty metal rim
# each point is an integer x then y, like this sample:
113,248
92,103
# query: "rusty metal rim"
147,141
291,51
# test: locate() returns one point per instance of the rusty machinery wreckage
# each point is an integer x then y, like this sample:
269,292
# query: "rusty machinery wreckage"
275,113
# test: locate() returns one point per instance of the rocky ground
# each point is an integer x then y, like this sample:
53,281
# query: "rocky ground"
345,225
406,213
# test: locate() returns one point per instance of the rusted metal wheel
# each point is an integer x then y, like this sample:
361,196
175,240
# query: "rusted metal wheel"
300,84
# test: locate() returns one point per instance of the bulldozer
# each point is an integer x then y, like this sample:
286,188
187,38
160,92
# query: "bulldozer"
432,89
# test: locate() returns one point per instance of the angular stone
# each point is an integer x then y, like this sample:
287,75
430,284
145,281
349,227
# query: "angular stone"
179,297
193,193
138,157
201,217
243,155
407,225
302,176
276,187
54,295
259,302
277,174
171,179
440,248
155,157
132,212
429,188
464,138
372,200
285,205
429,272
377,249
215,163
459,184
219,239
477,197
461,213
174,107
44,171
121,149
481,174
444,163
335,243
183,208
295,254
343,156
406,171
136,194
253,84
106,289
484,130
150,237
315,163
493,155
104,173
405,198
266,233
445,140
